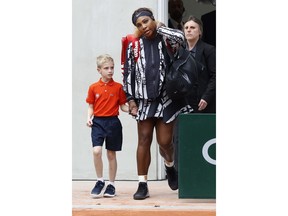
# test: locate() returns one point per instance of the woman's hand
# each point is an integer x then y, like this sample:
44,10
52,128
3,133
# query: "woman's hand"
202,105
133,109
159,24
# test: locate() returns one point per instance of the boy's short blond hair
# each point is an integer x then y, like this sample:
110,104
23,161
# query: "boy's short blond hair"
102,59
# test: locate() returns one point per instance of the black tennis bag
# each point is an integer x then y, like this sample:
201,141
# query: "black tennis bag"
181,75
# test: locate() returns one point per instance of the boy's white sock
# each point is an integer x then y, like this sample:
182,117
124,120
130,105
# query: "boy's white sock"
112,183
100,179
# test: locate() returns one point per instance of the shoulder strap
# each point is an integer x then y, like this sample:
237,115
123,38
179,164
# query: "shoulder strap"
166,50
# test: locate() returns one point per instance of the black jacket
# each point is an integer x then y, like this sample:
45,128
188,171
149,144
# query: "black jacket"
206,89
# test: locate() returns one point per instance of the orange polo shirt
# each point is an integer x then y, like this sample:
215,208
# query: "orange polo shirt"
106,98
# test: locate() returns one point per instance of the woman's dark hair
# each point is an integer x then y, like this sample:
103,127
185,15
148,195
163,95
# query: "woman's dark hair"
196,20
141,12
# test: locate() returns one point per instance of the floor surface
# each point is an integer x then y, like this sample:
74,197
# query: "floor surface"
162,201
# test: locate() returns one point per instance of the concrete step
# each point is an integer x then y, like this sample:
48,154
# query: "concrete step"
141,212
162,201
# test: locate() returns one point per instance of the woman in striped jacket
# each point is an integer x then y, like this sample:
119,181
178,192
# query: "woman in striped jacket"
144,74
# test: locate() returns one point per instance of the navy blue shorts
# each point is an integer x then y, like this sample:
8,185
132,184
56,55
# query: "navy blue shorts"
108,129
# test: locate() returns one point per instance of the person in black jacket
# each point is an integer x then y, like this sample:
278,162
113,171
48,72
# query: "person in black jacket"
176,10
203,99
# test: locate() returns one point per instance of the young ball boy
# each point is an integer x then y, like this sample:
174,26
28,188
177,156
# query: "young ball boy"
104,98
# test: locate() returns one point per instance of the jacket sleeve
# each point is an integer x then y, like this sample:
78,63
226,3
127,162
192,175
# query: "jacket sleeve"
210,59
173,38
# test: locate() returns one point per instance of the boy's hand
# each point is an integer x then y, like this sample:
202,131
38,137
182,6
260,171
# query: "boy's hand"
89,122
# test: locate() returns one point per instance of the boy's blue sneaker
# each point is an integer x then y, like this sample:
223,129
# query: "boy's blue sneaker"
110,191
96,192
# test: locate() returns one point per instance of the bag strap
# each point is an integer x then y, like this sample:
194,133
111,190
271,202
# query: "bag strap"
166,49
171,55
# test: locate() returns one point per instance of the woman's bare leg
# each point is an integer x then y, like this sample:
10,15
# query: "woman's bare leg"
145,135
164,134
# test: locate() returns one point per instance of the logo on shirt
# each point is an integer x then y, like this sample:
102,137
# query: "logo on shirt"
97,96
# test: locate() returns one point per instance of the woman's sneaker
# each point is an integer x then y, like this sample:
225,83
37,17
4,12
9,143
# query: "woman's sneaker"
142,191
96,192
172,177
110,191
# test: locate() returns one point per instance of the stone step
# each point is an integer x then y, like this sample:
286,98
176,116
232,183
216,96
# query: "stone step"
162,201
